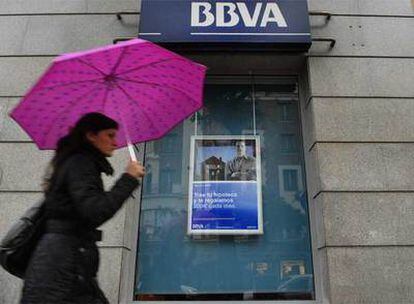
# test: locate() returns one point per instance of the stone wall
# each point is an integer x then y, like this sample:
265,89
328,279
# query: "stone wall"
360,149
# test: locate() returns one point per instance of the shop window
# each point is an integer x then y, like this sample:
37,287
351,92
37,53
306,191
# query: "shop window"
166,180
290,180
173,264
288,143
287,112
148,179
168,143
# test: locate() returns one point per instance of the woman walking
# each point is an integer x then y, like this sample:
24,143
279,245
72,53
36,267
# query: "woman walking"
64,265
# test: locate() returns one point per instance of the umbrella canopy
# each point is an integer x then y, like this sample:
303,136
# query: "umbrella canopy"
143,86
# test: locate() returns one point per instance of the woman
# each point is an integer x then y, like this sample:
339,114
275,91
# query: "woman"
64,264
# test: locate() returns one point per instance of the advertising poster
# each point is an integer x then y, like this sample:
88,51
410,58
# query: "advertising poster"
225,185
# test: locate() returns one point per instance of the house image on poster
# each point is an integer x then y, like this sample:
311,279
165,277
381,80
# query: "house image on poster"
213,169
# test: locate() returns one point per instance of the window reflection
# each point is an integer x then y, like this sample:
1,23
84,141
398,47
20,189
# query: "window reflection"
277,265
288,143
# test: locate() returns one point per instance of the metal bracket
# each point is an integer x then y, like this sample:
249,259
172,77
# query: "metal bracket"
119,14
331,40
119,39
326,14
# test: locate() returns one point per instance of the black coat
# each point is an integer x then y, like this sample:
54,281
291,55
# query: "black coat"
64,265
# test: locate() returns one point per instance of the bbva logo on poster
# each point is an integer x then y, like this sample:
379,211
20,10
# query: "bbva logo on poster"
229,14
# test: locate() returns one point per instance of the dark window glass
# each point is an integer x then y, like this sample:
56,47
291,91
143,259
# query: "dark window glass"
288,143
290,178
277,265
287,112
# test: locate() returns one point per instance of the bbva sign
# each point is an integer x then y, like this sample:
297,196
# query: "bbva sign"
211,24
230,14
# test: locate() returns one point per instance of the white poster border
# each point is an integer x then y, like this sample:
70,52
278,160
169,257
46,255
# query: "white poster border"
258,231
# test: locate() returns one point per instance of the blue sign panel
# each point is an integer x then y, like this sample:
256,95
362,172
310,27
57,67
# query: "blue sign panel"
225,206
232,21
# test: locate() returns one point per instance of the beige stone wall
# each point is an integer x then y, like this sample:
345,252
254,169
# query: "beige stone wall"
360,148
32,33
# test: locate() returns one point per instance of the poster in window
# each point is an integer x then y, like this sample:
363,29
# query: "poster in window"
225,185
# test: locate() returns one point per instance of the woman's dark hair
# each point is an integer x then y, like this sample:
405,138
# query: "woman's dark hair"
76,139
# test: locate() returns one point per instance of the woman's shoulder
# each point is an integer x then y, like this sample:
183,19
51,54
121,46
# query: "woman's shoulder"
78,161
78,157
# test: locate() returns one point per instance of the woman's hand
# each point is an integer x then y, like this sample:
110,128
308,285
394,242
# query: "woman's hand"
135,169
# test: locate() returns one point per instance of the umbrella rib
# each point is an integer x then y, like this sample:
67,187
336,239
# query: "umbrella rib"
118,62
91,66
105,98
66,110
142,110
75,82
147,65
155,84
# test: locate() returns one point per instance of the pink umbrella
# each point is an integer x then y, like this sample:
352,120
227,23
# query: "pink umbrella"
146,88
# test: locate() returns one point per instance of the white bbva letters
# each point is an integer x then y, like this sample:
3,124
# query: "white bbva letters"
195,14
273,9
228,14
247,19
231,11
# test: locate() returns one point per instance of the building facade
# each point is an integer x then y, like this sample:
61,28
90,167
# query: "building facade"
336,135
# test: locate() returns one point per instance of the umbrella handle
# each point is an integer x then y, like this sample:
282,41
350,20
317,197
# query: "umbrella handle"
132,152
128,139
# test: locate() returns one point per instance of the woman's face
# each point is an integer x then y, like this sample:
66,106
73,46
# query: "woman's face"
104,141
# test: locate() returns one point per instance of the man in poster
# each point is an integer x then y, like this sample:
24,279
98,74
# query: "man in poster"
242,167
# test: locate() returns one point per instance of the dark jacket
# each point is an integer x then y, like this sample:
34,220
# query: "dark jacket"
64,265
